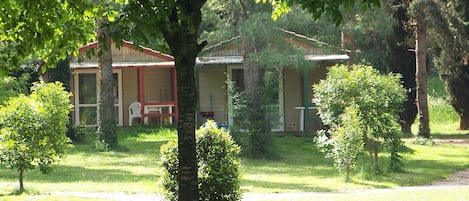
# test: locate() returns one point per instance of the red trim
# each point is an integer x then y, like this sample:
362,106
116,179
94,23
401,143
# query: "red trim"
129,44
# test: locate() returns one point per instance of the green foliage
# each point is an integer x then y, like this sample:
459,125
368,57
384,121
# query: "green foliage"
18,81
218,163
345,142
10,87
376,97
33,128
256,144
50,29
318,8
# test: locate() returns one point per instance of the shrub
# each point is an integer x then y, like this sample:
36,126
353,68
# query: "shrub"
33,129
218,163
378,99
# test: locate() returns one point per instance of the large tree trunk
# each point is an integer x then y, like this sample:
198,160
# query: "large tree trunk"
182,40
464,122
421,75
107,135
187,99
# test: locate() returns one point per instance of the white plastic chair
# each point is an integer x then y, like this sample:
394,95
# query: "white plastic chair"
135,111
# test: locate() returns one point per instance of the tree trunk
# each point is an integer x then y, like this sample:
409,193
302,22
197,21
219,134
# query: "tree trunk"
187,99
463,122
259,125
182,40
107,135
21,180
421,77
347,172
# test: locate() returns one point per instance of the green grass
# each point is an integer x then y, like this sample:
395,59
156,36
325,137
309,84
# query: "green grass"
299,168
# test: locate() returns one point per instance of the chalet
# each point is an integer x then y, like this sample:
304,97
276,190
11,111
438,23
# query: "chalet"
145,86
223,62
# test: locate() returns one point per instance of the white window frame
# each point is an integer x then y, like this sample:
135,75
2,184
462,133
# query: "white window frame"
77,105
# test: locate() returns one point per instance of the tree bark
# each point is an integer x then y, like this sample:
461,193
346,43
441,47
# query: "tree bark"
187,99
182,39
421,78
107,135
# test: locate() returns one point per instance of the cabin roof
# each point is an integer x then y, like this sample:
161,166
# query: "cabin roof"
231,51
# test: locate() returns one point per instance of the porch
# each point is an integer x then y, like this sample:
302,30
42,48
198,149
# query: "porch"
145,76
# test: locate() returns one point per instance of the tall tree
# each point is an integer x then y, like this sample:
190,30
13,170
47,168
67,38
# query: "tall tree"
107,135
420,10
255,39
450,32
178,23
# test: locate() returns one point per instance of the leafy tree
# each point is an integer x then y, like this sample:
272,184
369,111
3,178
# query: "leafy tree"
178,22
33,129
345,142
68,25
376,97
15,83
419,9
378,37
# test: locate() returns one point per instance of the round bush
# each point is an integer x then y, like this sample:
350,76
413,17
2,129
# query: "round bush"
218,162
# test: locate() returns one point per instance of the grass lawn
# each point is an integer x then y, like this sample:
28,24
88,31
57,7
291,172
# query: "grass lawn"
300,167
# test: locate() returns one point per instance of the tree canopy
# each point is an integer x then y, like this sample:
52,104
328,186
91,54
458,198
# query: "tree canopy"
319,7
48,29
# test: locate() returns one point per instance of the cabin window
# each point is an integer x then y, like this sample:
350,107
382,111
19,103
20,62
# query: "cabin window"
86,102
